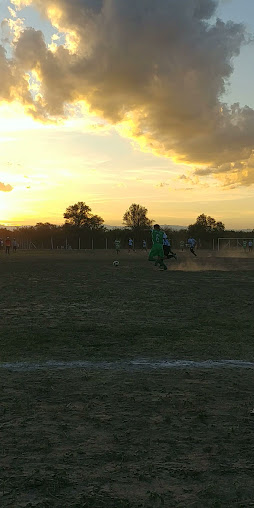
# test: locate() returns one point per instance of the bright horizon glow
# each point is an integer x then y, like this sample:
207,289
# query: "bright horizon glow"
52,166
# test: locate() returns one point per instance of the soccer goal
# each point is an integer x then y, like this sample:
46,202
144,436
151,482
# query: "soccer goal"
234,243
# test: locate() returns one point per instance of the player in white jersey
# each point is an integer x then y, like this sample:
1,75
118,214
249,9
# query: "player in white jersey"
131,245
144,245
192,244
167,248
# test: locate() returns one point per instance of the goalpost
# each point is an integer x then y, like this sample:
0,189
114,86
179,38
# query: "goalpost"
233,243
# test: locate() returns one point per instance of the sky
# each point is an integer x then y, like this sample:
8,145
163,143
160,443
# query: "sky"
114,102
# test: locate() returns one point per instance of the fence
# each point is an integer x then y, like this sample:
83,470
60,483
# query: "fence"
76,243
234,243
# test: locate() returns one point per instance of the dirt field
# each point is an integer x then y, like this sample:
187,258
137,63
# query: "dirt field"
71,305
126,438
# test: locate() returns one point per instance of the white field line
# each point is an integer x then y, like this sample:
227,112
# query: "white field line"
133,365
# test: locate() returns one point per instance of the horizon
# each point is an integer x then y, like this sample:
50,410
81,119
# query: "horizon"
82,120
177,227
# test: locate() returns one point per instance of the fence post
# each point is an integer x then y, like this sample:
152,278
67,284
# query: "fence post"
106,243
92,243
52,245
66,243
79,243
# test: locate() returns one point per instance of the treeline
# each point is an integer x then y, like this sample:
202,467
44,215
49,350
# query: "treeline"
83,230
48,236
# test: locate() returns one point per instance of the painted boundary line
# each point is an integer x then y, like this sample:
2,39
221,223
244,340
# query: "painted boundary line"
133,365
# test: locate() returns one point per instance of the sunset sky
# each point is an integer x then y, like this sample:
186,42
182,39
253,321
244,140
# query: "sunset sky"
119,101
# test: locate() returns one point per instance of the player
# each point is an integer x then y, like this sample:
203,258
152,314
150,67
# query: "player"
182,245
144,245
192,244
14,245
167,248
117,246
250,245
7,245
131,245
244,245
157,248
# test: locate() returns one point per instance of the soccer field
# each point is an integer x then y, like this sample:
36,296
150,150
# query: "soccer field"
75,305
122,430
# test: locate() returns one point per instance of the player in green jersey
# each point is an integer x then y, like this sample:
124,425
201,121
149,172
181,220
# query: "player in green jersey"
157,248
117,246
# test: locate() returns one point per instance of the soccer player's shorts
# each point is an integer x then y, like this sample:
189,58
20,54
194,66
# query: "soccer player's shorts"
156,251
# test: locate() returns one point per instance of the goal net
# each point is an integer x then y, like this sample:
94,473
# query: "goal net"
235,243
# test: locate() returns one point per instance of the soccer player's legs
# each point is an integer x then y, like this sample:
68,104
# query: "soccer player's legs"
157,252
168,252
162,264
165,250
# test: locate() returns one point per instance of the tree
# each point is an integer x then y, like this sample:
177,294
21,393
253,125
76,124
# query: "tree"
135,217
44,226
204,226
80,216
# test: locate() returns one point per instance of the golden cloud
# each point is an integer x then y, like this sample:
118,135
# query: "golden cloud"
5,188
156,69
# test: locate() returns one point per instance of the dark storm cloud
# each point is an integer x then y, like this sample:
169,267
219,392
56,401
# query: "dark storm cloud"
161,64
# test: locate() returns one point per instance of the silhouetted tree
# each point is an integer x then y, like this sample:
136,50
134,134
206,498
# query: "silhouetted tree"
205,224
135,218
209,223
80,216
45,227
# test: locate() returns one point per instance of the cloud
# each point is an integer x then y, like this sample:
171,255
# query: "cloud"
231,173
13,83
5,188
158,68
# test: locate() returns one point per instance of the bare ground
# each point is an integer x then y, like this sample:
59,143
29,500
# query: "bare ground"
116,438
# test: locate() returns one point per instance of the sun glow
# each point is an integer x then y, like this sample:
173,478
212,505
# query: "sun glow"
13,118
4,208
